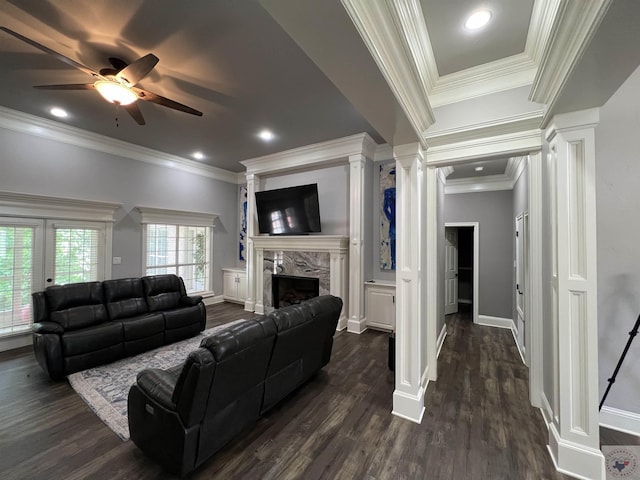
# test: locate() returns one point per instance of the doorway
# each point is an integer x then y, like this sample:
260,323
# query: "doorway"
462,268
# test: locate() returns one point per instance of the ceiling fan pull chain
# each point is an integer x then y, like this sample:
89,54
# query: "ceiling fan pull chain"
117,107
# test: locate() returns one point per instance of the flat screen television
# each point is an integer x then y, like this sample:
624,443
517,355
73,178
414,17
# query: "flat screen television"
289,211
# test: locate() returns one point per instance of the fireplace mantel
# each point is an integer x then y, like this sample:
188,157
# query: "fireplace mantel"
308,243
337,246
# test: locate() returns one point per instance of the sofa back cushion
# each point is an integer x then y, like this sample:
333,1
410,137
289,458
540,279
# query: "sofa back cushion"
124,298
77,305
241,353
163,292
302,346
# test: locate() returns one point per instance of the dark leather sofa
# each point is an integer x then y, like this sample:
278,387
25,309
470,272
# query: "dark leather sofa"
82,325
182,416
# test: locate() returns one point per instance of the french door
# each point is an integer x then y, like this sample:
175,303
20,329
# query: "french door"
36,253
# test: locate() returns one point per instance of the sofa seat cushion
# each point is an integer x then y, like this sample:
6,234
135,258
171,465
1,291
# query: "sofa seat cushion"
181,317
143,326
91,339
124,298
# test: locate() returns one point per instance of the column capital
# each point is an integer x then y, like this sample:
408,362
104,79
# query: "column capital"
407,153
565,122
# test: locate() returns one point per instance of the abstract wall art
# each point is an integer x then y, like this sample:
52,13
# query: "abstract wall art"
243,224
387,173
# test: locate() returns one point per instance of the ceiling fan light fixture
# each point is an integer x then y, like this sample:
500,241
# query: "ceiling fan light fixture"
477,19
58,112
115,92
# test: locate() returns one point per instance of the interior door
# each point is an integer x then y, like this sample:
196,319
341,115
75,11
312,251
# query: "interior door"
451,270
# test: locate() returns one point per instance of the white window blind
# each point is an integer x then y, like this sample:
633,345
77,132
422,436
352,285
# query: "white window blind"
182,250
77,257
16,278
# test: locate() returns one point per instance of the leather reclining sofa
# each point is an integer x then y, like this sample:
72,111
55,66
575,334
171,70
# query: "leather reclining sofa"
182,416
82,325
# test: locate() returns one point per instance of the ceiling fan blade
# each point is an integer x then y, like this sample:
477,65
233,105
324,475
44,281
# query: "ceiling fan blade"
59,56
135,112
69,86
137,70
165,102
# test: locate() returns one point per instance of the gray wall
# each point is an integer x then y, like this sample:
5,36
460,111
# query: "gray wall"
34,165
618,226
494,212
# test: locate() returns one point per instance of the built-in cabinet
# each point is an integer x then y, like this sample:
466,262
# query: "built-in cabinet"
234,284
380,305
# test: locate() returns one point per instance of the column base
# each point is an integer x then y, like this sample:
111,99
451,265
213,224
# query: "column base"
356,326
407,406
575,459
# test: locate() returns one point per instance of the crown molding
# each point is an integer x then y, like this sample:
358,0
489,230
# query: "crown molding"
416,36
59,132
493,77
573,27
378,24
444,172
540,28
488,183
492,128
320,154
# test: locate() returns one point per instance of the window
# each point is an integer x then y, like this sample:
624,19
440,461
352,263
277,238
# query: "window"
182,250
77,255
179,243
17,258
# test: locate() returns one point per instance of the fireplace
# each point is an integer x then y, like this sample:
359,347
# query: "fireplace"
291,289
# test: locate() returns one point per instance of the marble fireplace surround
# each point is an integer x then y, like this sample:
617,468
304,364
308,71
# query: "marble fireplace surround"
319,256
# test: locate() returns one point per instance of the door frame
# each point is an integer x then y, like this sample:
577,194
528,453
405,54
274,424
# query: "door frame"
476,261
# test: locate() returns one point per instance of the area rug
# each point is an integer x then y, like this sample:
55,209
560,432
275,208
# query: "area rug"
106,388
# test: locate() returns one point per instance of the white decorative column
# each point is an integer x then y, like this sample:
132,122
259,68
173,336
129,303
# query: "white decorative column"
252,265
408,397
357,322
574,431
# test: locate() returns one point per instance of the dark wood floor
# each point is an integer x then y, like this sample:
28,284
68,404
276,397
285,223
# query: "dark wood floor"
477,425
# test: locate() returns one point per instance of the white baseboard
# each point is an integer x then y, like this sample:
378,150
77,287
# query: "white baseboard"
356,326
499,322
514,332
441,338
213,299
547,411
342,323
620,420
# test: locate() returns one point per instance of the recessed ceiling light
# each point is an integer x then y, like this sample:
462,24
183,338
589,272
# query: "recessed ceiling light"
58,112
477,19
198,155
266,135
479,169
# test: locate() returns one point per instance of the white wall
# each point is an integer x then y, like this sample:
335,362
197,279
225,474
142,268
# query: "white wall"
618,225
34,165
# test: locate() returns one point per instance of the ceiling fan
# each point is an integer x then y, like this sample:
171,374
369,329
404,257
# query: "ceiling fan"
116,85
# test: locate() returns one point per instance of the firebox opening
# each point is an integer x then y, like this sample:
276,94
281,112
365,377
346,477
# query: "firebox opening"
292,290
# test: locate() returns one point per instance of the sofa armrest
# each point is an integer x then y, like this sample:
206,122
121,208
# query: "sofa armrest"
190,301
48,327
159,385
